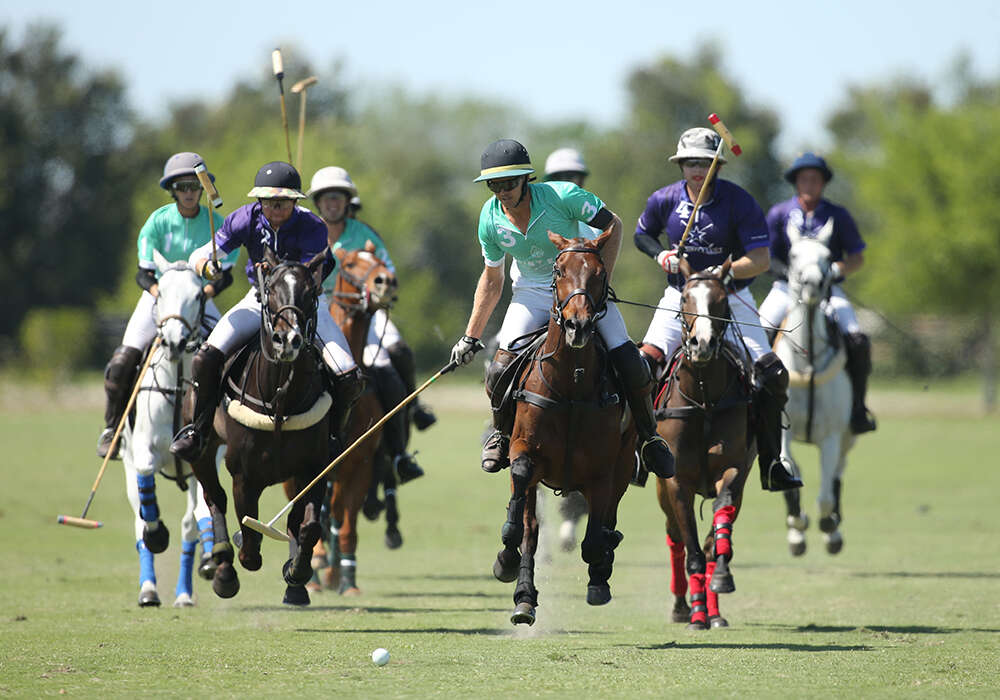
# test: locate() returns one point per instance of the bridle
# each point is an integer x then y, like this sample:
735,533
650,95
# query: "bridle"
194,329
687,327
600,307
302,318
362,299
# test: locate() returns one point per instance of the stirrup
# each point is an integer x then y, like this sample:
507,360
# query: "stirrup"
656,457
104,444
777,477
862,421
187,444
406,468
495,450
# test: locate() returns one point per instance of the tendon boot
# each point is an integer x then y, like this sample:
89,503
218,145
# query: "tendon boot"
769,401
859,366
401,357
206,374
346,389
638,383
498,443
391,391
119,376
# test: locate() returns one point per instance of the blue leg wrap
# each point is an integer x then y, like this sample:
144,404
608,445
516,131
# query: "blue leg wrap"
184,584
205,531
146,571
149,511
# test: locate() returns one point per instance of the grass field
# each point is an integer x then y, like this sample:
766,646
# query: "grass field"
911,607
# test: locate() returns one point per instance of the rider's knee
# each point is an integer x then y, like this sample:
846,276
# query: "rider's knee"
501,360
771,374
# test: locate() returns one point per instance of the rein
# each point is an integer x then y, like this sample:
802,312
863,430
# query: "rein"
362,297
599,309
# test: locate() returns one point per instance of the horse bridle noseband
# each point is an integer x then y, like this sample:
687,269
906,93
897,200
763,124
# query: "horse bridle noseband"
558,306
194,331
688,326
306,321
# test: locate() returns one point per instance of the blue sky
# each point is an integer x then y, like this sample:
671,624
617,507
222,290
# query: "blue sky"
554,59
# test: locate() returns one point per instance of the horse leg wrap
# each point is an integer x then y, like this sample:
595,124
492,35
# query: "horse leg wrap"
699,608
678,576
146,571
184,575
512,531
695,562
205,534
712,599
525,591
149,510
722,531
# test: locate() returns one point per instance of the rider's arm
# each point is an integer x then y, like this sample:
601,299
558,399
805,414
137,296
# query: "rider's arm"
753,263
647,231
611,249
851,263
488,292
146,278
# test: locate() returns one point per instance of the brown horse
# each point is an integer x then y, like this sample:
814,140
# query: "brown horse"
570,431
703,414
281,391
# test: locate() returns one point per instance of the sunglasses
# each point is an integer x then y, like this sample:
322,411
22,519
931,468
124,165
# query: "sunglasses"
696,163
504,185
277,203
186,186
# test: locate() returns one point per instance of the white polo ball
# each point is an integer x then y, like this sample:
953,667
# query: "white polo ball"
380,657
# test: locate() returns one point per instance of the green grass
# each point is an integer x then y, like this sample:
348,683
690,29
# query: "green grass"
910,607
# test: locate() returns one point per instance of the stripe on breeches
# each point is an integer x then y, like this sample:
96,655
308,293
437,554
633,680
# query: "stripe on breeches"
149,510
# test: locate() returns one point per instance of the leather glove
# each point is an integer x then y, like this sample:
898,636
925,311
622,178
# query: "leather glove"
836,273
465,349
669,261
727,280
211,270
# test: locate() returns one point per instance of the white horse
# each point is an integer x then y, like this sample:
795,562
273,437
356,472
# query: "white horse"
819,393
180,309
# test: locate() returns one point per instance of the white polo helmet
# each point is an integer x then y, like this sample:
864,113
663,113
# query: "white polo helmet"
331,178
699,142
565,160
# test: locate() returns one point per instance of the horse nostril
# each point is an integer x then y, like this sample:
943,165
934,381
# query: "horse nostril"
276,338
296,342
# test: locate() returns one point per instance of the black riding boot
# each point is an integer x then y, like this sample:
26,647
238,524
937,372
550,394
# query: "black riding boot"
346,388
401,357
391,391
859,366
634,372
206,374
498,443
119,378
769,401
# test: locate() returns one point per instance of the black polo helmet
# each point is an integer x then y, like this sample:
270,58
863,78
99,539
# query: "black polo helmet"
277,179
809,160
504,158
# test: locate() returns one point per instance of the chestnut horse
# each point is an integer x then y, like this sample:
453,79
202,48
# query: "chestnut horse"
571,430
281,391
703,413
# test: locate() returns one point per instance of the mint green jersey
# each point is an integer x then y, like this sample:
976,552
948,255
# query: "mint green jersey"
559,207
356,234
176,236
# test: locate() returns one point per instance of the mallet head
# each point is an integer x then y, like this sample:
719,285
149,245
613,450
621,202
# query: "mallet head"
304,84
79,522
276,65
206,182
264,529
721,129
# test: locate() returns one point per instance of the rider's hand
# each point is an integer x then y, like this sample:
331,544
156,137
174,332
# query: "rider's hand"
727,279
465,349
669,261
211,270
837,272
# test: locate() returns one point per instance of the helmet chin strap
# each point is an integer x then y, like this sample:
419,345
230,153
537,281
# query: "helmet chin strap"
524,191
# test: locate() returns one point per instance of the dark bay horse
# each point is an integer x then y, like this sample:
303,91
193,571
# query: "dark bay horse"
280,399
703,413
570,430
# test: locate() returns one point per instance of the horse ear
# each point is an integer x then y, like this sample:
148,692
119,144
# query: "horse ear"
160,261
725,267
270,258
340,253
558,241
602,240
685,267
825,233
793,231
317,265
369,246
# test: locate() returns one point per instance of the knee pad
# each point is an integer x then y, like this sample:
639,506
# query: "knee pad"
123,364
771,374
501,360
631,366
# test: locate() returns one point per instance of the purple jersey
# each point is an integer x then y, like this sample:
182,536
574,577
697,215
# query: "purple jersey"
730,223
845,239
299,239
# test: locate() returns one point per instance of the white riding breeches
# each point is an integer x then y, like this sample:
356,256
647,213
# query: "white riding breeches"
141,328
382,334
530,309
778,302
665,329
243,320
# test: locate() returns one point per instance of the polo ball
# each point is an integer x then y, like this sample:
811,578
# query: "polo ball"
380,657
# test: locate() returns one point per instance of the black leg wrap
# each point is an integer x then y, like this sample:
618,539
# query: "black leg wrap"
525,592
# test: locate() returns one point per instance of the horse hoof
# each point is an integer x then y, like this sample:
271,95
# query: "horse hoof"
314,587
698,626
184,600
373,508
503,575
598,595
207,567
717,621
296,595
722,584
226,583
524,614
351,592
331,577
834,543
680,613
318,562
251,561
157,539
148,598
393,539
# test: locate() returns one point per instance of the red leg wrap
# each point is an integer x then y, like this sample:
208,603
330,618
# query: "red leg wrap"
712,598
699,612
722,527
678,576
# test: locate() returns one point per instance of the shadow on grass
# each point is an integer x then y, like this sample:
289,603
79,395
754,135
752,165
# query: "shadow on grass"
925,574
439,594
751,646
365,609
878,629
486,631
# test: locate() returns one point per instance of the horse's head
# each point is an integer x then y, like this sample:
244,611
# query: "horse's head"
364,283
289,293
809,266
579,286
180,305
704,312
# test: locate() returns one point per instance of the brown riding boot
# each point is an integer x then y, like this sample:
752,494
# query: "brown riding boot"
498,443
634,372
206,373
119,378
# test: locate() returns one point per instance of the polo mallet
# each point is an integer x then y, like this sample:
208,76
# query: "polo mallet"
300,88
214,197
268,527
82,521
279,73
726,139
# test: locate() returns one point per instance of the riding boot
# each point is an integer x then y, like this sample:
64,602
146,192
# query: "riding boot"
638,383
119,377
391,391
769,401
206,374
346,389
498,443
859,366
401,357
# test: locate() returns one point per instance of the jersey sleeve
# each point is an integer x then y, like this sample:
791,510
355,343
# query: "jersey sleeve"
751,226
847,231
649,227
150,239
230,258
229,237
493,254
777,235
578,203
